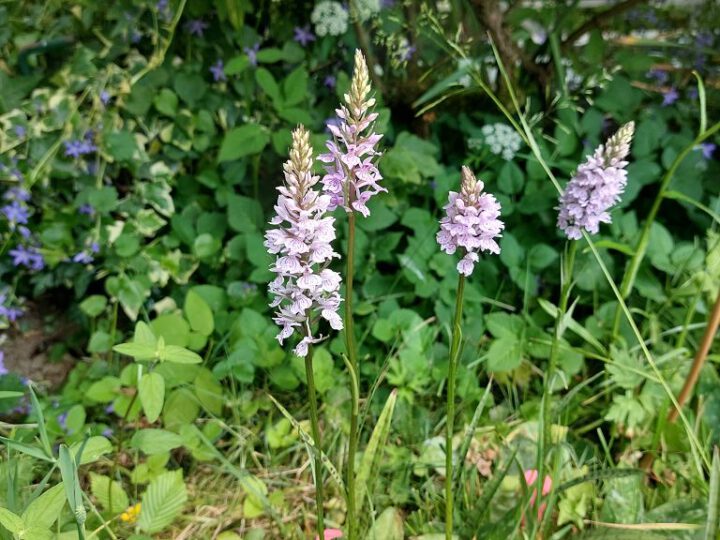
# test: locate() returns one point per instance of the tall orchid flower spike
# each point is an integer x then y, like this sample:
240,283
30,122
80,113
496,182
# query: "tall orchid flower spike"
596,187
351,179
352,175
305,289
472,223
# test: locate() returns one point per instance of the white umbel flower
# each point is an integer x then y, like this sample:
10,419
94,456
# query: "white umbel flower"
502,140
330,18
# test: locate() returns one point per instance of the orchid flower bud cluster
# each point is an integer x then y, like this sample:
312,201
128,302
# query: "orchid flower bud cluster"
352,176
305,289
471,222
596,187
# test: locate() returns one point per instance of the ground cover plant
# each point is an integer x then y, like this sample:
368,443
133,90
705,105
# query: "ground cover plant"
372,270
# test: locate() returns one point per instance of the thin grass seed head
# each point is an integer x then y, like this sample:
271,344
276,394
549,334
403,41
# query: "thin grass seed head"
598,185
305,289
471,222
352,175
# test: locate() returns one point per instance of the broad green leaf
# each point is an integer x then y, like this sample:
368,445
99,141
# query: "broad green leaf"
94,449
12,522
155,441
295,86
138,351
46,509
243,141
267,82
199,314
110,495
209,392
162,502
505,354
152,395
104,390
93,305
179,355
388,526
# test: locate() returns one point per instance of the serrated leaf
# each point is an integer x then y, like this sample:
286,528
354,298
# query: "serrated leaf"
110,494
162,501
152,395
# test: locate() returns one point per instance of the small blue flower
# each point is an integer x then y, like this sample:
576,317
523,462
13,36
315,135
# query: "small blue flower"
303,35
62,420
86,209
330,81
107,432
15,213
252,53
28,257
20,131
3,369
707,149
196,27
82,257
17,194
77,148
670,97
218,71
104,97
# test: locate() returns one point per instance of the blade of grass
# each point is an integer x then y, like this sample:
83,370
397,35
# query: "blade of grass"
373,450
712,525
470,433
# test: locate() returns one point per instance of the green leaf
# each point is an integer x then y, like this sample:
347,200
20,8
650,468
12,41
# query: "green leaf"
388,526
162,502
190,87
243,141
295,86
155,441
110,494
237,64
206,245
152,395
94,448
209,392
511,178
373,451
144,335
541,256
166,102
12,522
199,314
71,482
7,394
46,509
179,355
244,214
172,328
267,82
505,354
138,351
122,146
93,305
30,450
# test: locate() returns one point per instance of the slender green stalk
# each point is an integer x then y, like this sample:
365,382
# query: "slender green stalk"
628,281
352,357
450,422
319,499
566,284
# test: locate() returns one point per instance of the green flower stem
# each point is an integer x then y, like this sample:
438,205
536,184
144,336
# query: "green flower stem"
628,281
450,422
319,498
352,357
566,284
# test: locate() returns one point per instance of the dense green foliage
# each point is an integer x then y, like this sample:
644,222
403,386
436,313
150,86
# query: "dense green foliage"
150,170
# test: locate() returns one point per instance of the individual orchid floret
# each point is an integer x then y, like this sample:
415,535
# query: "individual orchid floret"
352,176
472,222
596,187
305,289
